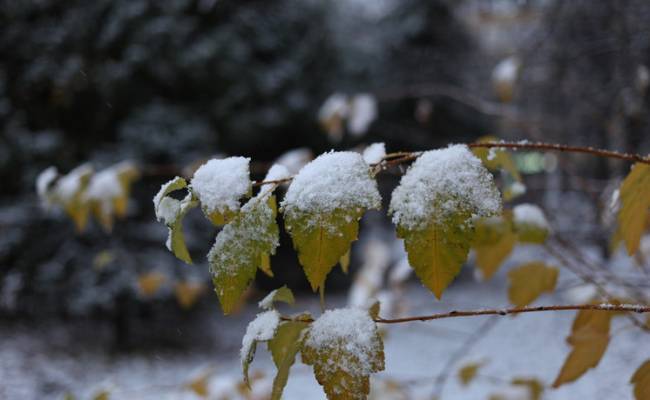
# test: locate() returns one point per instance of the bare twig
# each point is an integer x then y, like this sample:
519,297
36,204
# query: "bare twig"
641,309
401,157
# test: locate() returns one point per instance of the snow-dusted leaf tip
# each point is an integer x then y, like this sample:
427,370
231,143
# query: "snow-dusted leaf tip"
261,329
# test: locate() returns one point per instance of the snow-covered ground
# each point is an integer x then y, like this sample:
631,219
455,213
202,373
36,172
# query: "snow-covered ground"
46,361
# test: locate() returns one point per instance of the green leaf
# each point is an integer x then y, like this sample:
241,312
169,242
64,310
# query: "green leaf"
238,249
282,294
321,240
344,347
284,346
529,281
635,202
641,381
438,251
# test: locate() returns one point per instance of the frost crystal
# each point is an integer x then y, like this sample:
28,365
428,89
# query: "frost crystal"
374,153
262,328
441,183
219,184
530,214
350,330
333,181
363,111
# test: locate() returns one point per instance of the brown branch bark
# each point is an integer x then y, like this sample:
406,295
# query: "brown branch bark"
397,158
640,309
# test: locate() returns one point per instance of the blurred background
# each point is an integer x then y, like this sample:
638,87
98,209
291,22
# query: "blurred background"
168,84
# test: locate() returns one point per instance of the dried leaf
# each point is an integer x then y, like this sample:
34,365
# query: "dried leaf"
494,240
187,293
635,202
149,283
529,281
199,385
641,382
589,339
468,372
535,387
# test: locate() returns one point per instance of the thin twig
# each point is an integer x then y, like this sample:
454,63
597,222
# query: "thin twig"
641,309
401,157
563,148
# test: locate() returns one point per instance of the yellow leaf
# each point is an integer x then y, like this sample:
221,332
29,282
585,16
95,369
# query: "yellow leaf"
149,283
283,294
641,382
265,265
187,293
438,251
496,159
530,224
171,212
529,281
344,347
635,202
535,387
102,395
322,208
284,346
467,373
102,259
199,385
434,207
321,240
589,339
494,240
345,262
238,249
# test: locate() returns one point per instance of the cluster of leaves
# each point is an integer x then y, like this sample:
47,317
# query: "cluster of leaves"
344,346
83,192
446,203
